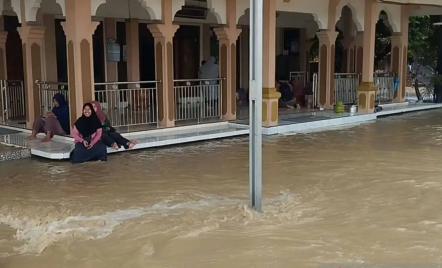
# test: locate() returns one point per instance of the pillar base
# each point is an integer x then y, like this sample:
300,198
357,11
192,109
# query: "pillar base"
229,117
366,97
328,106
399,99
270,98
166,123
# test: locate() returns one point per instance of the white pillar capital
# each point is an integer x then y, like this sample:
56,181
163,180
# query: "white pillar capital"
229,34
91,29
396,40
327,38
160,31
32,34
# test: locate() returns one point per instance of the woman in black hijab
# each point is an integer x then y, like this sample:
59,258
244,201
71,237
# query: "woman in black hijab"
87,134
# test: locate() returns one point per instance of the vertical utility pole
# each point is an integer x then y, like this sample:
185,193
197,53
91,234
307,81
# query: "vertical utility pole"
438,89
255,93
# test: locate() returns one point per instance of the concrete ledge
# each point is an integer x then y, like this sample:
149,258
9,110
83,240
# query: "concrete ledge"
398,104
150,140
61,147
14,154
300,127
391,110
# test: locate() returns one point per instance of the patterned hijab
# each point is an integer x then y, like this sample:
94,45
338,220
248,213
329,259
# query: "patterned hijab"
101,115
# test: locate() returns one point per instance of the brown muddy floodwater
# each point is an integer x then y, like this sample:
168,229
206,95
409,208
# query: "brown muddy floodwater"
367,194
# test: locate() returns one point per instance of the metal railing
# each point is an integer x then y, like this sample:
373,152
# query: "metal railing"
385,84
47,90
315,91
12,99
129,103
346,88
299,78
197,99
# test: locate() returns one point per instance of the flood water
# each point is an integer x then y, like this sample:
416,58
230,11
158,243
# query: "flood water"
367,194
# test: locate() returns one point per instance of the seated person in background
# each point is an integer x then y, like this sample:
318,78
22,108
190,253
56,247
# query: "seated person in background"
298,93
87,134
286,94
55,122
110,136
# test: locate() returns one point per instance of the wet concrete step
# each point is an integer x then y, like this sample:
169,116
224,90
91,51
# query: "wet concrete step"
8,153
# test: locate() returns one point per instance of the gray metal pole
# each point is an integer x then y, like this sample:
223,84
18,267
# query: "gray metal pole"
255,93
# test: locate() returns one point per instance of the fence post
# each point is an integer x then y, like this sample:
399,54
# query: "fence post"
6,95
156,105
2,99
220,98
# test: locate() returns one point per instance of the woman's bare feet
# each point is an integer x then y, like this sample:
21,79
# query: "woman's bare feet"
115,146
131,144
32,137
46,139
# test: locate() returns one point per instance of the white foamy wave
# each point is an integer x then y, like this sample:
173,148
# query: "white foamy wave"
38,234
207,227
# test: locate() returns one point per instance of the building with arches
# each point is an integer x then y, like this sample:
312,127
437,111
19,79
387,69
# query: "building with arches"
69,41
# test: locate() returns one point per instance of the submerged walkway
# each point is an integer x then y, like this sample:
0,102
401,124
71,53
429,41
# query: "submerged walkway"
60,147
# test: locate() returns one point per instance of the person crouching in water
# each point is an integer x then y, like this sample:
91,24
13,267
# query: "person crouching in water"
87,134
111,137
55,122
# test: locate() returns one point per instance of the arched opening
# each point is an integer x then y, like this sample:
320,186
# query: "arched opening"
14,50
195,40
124,9
347,28
383,43
55,41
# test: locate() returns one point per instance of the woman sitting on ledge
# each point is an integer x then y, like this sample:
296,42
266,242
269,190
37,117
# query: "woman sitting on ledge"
111,137
87,134
55,122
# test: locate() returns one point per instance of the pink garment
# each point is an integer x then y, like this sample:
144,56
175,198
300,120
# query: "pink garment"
297,89
79,138
48,124
101,115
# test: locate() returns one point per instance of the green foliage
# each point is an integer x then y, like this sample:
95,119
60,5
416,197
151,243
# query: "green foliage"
436,80
422,42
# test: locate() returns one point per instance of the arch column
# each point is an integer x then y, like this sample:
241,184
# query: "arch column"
305,46
33,53
270,96
227,37
133,50
79,29
397,62
326,79
399,55
50,48
163,34
3,65
367,89
348,55
227,54
358,53
245,57
110,31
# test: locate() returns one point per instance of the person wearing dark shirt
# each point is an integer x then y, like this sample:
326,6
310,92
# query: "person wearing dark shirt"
110,136
55,122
